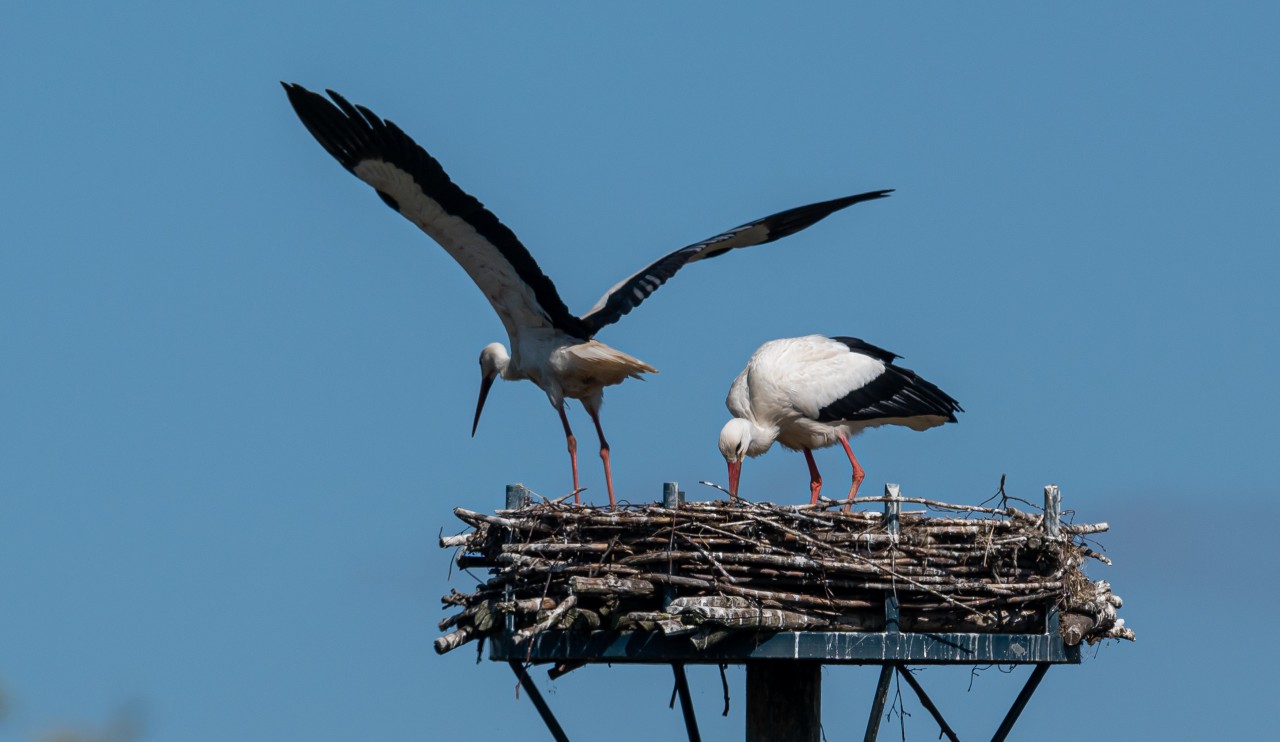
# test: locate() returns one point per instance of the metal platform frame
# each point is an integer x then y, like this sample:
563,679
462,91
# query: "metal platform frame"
892,650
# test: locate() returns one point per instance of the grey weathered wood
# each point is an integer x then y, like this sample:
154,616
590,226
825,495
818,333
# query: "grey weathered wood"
1052,511
672,497
1075,627
784,701
454,639
609,585
553,616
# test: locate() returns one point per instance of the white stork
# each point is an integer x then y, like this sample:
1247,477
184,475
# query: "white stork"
549,346
809,392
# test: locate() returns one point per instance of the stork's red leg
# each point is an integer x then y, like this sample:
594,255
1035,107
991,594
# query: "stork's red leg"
604,455
573,450
858,473
815,479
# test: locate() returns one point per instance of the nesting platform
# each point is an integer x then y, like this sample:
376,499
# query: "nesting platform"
912,582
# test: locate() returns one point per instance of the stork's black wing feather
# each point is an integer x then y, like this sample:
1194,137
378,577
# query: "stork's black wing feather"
898,392
629,292
413,183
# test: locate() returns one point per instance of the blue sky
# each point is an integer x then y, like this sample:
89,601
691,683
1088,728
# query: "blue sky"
237,389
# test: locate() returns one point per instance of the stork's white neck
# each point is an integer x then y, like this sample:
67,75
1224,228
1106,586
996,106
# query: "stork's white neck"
762,437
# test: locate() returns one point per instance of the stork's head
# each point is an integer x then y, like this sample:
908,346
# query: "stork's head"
493,361
735,441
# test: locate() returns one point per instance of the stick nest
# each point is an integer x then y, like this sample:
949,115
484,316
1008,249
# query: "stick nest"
710,568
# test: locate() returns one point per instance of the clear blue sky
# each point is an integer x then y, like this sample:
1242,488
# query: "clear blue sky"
236,389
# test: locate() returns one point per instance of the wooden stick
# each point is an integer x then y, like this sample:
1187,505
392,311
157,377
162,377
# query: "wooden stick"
524,635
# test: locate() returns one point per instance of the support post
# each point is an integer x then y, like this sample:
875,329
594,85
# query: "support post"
517,497
686,702
784,701
892,510
1020,702
544,710
892,524
672,497
1052,529
892,615
927,702
877,703
1052,511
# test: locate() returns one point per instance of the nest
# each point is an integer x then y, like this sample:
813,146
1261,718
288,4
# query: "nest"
708,568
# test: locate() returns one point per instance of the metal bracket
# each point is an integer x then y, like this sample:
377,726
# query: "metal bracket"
544,710
882,692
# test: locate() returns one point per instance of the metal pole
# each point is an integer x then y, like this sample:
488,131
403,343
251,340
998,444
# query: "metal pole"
892,514
517,496
544,710
686,702
1052,529
892,517
927,703
671,499
1020,702
892,510
784,701
877,703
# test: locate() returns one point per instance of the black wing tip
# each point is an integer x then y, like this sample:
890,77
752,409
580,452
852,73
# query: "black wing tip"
786,223
344,130
830,207
299,94
868,196
836,204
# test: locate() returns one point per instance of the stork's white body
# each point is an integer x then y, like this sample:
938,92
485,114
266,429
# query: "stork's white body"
567,368
811,392
549,346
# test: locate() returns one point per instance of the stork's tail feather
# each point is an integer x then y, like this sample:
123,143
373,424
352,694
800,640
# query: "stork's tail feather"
607,365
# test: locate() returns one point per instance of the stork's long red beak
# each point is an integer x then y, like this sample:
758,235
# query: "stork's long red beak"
735,471
486,383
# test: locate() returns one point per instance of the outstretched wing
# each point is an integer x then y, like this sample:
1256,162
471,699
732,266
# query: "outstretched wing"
411,181
629,292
